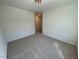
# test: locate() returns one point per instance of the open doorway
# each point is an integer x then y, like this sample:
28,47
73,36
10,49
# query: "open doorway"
38,22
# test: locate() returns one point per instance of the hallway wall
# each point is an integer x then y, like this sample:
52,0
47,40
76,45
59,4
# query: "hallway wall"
38,22
17,23
61,23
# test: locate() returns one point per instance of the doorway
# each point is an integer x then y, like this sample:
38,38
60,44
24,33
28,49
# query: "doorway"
38,22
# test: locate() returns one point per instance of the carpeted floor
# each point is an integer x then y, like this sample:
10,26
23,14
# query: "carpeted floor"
40,47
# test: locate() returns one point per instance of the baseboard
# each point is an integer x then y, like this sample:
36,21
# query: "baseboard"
21,38
59,40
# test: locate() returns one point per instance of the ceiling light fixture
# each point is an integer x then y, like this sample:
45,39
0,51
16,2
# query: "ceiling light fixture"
38,1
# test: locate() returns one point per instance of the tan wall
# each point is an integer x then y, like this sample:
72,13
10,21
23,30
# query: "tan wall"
38,22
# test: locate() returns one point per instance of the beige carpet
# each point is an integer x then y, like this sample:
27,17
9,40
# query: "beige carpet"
40,47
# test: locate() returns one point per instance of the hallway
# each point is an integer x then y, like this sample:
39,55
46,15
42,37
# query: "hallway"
40,47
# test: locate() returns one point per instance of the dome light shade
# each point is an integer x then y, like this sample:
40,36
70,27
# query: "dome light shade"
38,1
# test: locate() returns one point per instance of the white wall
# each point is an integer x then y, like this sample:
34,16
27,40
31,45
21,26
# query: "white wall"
17,23
3,45
61,23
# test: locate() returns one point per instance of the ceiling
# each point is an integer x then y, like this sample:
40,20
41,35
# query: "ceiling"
32,6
